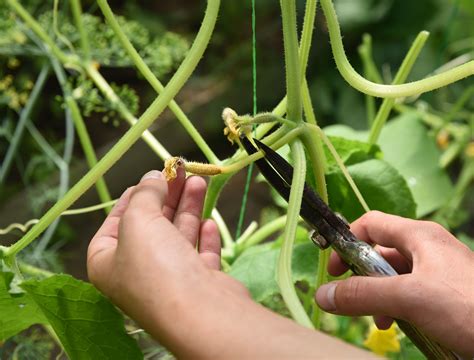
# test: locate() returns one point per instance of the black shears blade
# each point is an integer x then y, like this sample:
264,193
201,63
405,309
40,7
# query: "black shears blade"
279,174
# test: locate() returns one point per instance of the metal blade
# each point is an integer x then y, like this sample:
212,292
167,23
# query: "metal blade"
312,217
310,197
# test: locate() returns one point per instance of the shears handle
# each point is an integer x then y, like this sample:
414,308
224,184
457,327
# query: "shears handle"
365,261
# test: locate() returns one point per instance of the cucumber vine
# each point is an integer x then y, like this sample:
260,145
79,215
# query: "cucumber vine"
298,127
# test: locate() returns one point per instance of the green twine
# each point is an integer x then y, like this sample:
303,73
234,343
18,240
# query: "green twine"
254,88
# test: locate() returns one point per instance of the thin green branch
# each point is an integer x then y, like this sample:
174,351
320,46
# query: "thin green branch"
304,49
223,229
314,146
63,166
262,234
132,135
467,95
284,273
95,75
282,140
292,62
81,129
380,90
463,184
154,82
77,14
341,165
58,34
110,94
370,72
400,77
365,52
321,278
20,127
33,25
307,35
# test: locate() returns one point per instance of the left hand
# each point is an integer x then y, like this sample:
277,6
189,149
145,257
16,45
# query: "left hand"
144,255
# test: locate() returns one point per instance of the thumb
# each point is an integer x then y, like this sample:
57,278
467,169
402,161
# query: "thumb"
149,196
361,295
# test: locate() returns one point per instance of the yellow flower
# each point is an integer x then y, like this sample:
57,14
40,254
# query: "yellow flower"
383,341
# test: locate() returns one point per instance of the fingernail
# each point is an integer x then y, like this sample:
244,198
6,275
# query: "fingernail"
153,174
325,296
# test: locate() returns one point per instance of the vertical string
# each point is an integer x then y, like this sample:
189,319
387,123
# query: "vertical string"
254,91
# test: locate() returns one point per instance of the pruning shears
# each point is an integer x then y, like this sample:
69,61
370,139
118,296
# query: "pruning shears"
331,230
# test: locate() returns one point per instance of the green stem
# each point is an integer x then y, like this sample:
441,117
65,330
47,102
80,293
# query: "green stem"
107,90
60,36
77,14
24,116
33,270
216,184
402,74
292,63
33,24
465,180
223,229
305,46
155,83
261,234
132,135
283,140
451,153
284,273
87,147
98,79
465,97
380,90
370,72
321,278
365,52
81,129
314,146
341,165
307,35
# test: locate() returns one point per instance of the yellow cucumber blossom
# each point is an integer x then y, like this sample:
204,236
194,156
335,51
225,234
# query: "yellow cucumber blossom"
383,341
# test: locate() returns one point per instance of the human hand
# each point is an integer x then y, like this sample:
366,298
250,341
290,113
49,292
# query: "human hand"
144,255
435,290
144,259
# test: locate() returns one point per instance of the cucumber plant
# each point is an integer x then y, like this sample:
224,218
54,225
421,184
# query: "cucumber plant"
390,167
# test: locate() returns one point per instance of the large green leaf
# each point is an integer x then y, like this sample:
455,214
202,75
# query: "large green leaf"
381,185
407,146
350,151
17,311
87,324
256,268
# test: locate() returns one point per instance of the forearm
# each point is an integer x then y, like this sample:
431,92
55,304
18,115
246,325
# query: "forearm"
223,326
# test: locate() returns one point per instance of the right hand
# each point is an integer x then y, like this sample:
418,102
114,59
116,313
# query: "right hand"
435,290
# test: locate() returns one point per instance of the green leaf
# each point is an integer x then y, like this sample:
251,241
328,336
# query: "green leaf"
256,268
346,132
350,151
17,311
407,146
87,324
381,185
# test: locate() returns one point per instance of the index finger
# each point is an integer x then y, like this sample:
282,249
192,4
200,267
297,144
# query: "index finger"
390,231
